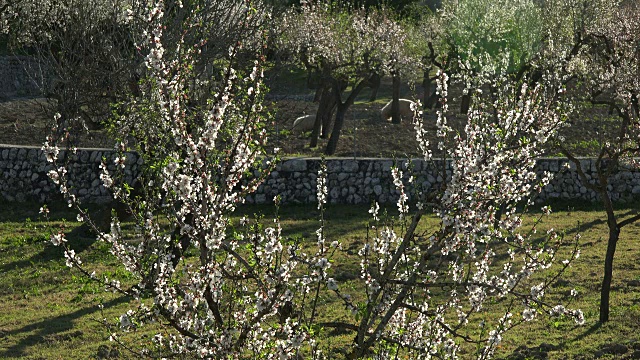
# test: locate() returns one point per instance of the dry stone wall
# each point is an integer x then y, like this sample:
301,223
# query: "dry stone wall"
23,174
357,181
23,177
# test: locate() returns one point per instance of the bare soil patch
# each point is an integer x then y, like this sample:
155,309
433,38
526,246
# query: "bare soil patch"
27,121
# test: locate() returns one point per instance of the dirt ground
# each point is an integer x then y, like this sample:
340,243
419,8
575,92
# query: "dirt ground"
23,121
27,121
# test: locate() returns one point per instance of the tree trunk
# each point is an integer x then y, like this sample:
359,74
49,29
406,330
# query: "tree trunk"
375,86
327,116
434,99
465,103
341,111
314,81
318,95
614,235
325,97
332,102
337,127
426,88
395,105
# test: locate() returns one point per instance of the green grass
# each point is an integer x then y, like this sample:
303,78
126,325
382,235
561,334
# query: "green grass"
48,311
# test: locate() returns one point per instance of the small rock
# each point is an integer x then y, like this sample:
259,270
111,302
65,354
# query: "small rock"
350,166
616,349
633,283
549,347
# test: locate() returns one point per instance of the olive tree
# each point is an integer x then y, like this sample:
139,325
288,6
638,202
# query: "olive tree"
480,36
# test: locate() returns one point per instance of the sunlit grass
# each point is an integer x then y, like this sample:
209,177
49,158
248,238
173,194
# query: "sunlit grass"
48,311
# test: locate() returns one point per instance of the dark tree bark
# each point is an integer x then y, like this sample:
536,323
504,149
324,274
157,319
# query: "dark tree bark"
318,95
374,83
395,102
324,110
465,103
426,88
337,127
327,116
614,235
332,103
341,111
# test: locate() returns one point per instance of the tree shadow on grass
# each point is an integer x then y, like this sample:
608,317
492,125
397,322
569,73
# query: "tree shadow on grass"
542,351
49,330
590,331
579,228
77,238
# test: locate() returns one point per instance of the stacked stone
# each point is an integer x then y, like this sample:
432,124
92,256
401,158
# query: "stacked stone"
23,174
624,185
349,181
360,181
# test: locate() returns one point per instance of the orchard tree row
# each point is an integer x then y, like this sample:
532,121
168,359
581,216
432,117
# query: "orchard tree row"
181,82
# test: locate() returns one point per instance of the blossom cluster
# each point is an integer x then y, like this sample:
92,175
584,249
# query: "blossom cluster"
347,43
197,161
490,175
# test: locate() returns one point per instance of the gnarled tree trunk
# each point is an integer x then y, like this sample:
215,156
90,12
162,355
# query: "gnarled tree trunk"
426,89
341,111
323,115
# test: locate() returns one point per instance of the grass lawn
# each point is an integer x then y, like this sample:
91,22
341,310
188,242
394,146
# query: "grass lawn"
48,311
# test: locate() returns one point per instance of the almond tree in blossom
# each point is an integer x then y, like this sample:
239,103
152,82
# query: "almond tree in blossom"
406,270
86,49
222,302
224,289
607,66
347,47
